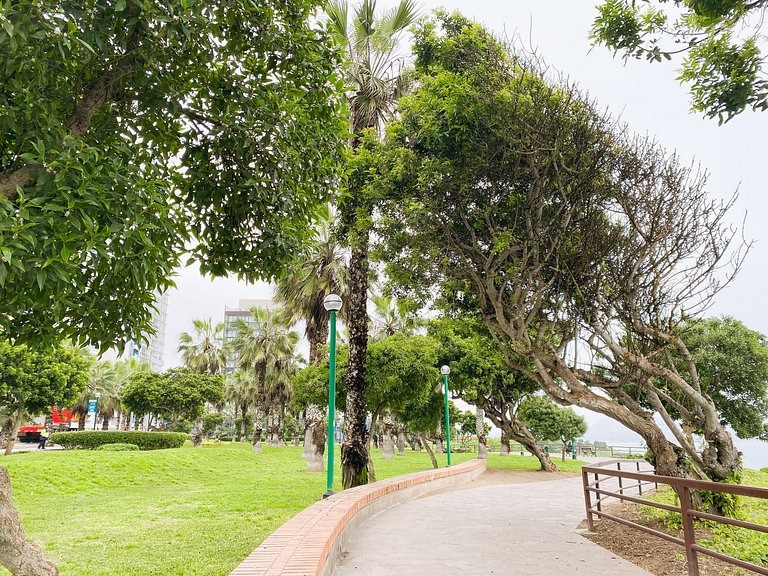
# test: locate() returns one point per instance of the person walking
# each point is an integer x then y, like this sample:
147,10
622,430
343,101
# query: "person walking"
44,433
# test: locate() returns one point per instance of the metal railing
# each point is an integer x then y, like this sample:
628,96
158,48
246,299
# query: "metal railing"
630,482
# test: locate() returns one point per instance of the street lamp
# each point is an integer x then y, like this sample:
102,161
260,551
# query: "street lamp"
332,303
445,370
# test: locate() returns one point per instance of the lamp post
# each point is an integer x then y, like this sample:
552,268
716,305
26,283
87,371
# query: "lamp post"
445,370
333,304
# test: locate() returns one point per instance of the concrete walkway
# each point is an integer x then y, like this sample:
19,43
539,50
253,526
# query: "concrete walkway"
526,529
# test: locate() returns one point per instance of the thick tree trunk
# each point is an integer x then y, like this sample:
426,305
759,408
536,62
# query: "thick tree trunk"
354,453
482,451
105,422
22,558
19,417
425,443
197,432
400,442
281,426
505,449
315,437
81,421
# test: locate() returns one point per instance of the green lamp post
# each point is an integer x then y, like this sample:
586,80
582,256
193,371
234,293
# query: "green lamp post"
332,304
445,370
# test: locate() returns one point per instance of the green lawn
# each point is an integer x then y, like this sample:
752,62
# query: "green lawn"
170,512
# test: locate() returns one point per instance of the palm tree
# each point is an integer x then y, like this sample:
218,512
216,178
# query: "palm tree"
238,390
124,369
320,271
263,348
203,352
392,316
102,381
375,73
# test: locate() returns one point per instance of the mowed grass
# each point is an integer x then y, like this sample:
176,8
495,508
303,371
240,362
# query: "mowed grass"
172,512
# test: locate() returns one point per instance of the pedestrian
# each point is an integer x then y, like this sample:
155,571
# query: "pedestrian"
44,433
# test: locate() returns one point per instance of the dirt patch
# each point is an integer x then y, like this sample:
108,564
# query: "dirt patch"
657,556
495,476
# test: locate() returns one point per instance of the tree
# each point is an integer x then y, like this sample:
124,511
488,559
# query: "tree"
203,353
561,230
102,380
374,73
175,394
393,316
547,421
31,382
481,376
724,61
315,273
135,132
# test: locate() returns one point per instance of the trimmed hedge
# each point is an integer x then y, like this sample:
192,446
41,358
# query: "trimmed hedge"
118,447
89,440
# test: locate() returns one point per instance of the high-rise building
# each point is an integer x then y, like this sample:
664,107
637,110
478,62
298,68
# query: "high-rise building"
243,313
151,352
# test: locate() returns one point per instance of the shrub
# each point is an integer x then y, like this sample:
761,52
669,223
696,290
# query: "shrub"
89,440
225,438
118,447
181,425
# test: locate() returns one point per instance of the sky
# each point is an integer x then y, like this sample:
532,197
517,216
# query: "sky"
645,96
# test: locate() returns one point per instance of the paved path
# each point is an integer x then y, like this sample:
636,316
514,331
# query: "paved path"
506,529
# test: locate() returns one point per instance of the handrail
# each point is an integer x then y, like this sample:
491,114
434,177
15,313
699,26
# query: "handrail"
683,487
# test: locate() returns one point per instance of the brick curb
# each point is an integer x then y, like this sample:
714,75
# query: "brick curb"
309,543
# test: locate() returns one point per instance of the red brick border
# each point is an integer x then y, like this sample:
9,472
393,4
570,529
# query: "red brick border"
305,544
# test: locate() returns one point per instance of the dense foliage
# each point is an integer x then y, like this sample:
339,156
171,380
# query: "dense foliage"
133,132
118,447
91,440
724,61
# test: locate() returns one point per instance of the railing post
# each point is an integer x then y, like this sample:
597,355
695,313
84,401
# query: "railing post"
598,496
588,501
621,486
689,534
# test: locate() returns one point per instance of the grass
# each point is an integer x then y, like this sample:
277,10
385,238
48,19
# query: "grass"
180,511
748,545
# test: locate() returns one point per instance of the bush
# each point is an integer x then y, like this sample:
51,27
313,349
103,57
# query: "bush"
225,438
118,447
181,425
89,440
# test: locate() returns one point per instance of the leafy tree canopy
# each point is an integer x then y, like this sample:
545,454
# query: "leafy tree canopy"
134,132
35,381
176,393
724,60
547,421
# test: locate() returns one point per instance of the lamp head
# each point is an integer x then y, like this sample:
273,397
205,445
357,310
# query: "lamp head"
445,370
332,303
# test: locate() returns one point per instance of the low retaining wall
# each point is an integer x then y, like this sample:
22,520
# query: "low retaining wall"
310,542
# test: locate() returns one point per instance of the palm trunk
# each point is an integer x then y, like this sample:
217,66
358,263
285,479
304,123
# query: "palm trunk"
197,432
81,421
354,453
257,426
316,436
105,421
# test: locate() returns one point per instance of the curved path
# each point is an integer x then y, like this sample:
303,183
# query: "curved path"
486,527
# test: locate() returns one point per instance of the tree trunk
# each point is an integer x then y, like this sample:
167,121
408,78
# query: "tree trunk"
505,449
15,429
257,426
22,558
105,421
400,442
315,437
197,432
425,443
354,453
482,451
388,447
81,421
281,426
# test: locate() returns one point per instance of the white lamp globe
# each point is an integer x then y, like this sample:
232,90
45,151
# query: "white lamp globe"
332,302
445,370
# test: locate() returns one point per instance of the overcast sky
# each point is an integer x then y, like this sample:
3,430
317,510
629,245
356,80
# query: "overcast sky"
647,97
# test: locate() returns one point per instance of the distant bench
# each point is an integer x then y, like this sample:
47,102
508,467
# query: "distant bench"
310,542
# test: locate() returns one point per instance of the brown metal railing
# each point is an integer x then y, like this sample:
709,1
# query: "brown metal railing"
644,477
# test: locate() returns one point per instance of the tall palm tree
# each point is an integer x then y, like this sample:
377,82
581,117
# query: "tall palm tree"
375,73
238,390
102,381
392,317
320,271
203,352
124,369
262,347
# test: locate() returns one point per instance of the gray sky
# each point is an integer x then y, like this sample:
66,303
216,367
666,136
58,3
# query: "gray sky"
647,97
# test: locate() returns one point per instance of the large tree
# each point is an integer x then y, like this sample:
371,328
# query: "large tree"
134,132
547,421
563,231
32,382
313,274
724,62
374,72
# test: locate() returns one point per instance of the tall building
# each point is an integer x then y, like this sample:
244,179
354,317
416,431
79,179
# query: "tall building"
152,351
231,317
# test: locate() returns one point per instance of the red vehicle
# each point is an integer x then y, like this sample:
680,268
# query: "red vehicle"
31,432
